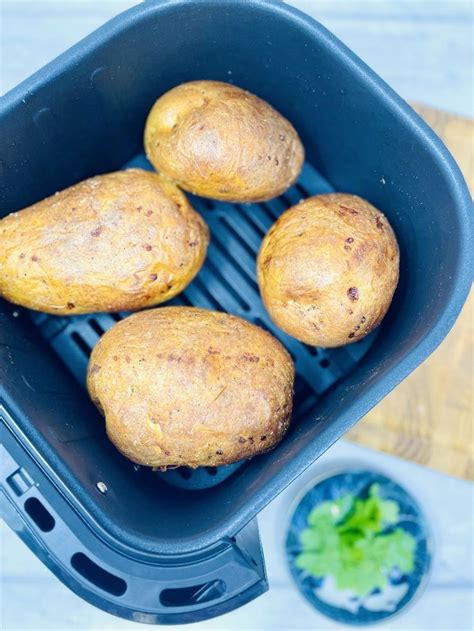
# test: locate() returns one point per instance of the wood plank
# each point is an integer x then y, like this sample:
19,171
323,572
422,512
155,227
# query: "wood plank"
429,417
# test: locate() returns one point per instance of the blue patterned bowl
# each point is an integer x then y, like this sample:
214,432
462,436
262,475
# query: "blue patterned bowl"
342,605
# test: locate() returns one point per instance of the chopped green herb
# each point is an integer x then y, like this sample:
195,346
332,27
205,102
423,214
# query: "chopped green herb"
355,541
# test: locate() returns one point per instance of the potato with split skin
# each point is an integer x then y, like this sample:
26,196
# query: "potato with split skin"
188,386
120,241
328,268
219,141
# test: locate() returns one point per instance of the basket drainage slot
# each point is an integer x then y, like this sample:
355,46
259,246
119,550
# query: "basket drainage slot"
182,596
185,473
97,575
39,514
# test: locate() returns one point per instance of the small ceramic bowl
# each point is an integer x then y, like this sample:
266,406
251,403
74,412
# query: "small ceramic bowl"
343,605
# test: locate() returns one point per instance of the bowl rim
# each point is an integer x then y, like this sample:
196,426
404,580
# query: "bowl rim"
347,466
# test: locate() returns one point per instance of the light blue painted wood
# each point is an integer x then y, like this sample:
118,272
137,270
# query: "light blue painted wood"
422,48
425,51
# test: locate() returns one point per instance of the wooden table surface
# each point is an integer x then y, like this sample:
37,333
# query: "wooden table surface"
428,418
424,49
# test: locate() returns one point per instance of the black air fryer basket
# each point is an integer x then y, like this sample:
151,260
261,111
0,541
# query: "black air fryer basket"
183,545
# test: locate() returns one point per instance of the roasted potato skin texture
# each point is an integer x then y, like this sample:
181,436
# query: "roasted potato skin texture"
219,141
120,241
328,268
187,386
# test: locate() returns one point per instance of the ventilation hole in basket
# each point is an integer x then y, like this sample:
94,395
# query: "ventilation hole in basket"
251,220
39,514
228,253
116,316
238,237
95,326
185,596
324,363
286,201
211,470
182,299
204,290
207,203
185,473
97,575
302,191
273,211
311,349
235,294
259,322
81,343
272,214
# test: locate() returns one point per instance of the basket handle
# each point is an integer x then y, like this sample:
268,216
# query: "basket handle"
158,589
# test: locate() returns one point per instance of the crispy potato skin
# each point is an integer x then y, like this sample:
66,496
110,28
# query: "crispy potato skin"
217,140
327,269
120,241
187,386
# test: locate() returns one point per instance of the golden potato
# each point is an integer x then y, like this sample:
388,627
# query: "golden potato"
219,141
187,386
125,240
327,269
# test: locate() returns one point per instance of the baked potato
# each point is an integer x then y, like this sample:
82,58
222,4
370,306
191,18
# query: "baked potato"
217,140
187,386
328,268
124,240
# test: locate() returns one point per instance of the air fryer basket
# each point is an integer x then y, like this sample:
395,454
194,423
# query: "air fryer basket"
181,545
